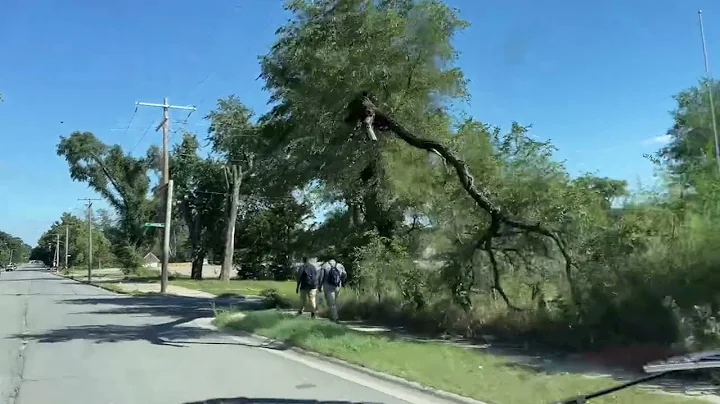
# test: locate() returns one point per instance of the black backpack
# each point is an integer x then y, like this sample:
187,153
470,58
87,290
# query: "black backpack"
334,276
308,277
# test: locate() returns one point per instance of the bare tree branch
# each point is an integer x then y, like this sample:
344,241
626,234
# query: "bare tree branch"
362,111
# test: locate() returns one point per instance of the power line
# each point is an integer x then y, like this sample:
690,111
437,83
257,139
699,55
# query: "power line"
132,118
141,138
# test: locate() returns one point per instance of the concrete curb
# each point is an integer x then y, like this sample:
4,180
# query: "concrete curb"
359,368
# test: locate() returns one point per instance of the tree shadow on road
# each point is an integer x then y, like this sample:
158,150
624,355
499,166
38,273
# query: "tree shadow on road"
157,334
175,333
37,280
153,304
249,400
183,311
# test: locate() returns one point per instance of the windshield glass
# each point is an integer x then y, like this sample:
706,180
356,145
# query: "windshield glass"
385,201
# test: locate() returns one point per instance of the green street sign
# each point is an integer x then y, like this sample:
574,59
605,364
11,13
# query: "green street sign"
154,225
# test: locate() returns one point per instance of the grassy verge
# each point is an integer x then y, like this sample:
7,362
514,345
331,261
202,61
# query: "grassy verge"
472,374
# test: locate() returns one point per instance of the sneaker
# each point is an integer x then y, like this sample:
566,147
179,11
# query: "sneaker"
299,313
312,315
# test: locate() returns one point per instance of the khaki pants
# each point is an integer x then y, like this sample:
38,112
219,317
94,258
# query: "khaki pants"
331,293
308,297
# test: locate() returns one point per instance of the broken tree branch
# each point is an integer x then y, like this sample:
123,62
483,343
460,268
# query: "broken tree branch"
362,111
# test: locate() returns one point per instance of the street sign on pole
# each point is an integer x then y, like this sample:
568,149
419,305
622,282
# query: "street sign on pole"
154,225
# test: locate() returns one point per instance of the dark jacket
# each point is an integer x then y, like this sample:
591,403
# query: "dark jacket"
311,281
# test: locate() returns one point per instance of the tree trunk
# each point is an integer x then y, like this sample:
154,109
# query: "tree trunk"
197,264
194,225
375,213
197,249
230,232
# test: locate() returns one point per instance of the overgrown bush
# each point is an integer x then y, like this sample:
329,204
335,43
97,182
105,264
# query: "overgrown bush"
275,299
129,258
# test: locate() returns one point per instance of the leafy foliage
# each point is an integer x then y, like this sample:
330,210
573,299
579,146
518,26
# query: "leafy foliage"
78,243
13,249
119,178
619,268
199,194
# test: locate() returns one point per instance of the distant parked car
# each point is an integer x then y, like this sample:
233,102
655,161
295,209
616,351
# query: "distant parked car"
10,267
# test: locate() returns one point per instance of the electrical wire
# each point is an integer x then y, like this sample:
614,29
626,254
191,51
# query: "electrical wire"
141,138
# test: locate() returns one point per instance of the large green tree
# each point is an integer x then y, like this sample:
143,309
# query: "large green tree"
13,249
78,243
200,195
404,58
122,180
272,233
237,139
399,50
691,148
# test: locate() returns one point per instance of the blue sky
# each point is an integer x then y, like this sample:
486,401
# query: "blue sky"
595,77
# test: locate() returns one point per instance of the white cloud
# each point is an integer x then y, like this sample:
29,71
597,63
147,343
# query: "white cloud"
663,139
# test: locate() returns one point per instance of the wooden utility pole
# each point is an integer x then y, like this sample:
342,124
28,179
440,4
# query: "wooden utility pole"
165,185
67,237
166,238
89,219
57,251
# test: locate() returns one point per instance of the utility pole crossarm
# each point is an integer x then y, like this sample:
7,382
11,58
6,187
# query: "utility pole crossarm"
152,104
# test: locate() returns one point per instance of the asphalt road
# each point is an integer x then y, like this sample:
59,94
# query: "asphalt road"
65,342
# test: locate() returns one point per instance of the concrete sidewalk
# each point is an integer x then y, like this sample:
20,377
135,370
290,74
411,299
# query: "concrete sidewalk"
133,287
114,279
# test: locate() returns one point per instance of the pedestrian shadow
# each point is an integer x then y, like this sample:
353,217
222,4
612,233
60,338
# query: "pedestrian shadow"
249,400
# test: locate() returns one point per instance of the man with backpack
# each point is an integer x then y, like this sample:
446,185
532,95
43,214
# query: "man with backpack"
332,277
307,285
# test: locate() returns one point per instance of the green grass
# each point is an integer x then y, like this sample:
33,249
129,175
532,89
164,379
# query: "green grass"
239,287
478,375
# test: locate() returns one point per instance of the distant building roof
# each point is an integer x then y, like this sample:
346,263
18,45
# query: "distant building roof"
150,258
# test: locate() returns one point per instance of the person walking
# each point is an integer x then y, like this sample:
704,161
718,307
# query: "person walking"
332,277
307,285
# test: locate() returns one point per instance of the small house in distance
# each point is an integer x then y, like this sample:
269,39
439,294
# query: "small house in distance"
151,261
